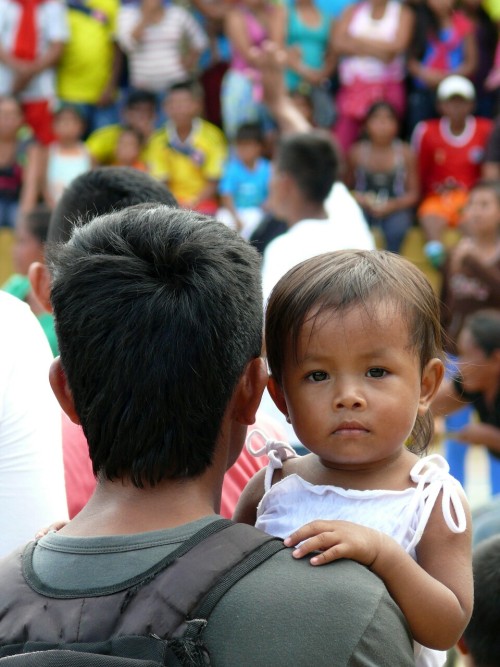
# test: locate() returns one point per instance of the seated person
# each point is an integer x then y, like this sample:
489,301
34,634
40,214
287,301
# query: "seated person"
449,155
188,155
129,148
244,186
138,112
165,410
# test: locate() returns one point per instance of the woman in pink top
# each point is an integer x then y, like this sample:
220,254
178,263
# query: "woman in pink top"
248,24
370,37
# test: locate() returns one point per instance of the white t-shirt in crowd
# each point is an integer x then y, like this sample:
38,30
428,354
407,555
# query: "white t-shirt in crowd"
32,491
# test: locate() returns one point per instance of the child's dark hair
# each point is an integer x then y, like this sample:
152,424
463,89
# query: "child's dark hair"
136,97
72,109
481,636
37,222
377,106
484,327
190,85
250,132
337,281
312,161
158,311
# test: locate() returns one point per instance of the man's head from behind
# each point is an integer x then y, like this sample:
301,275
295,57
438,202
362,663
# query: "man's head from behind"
157,314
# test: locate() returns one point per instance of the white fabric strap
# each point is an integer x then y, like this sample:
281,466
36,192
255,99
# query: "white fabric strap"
276,450
431,475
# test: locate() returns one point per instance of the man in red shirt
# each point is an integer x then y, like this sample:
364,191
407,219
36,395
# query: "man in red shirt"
450,152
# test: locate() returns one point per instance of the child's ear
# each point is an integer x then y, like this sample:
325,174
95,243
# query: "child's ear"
432,376
39,276
60,387
277,395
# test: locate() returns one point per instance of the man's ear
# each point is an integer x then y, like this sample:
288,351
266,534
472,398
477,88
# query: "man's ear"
432,376
39,276
249,391
60,387
277,395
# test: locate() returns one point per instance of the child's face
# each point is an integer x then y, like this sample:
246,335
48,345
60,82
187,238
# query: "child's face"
141,117
382,127
248,151
482,213
456,108
11,118
355,388
68,126
128,149
182,106
441,7
27,249
479,371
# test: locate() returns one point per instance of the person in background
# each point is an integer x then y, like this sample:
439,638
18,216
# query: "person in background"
21,164
443,44
129,148
29,246
471,282
370,38
68,156
32,38
91,63
163,43
244,186
450,151
383,176
188,154
139,112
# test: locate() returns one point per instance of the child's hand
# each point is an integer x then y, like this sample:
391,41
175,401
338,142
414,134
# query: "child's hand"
335,540
57,525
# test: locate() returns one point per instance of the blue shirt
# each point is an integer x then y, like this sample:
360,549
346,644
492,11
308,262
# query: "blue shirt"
248,187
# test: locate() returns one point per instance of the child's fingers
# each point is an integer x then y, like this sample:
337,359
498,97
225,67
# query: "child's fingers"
57,525
323,542
310,530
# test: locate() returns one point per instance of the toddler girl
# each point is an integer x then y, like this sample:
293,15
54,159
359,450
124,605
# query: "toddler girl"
353,342
384,175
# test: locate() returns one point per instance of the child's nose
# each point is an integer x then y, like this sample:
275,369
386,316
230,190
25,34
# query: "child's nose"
348,396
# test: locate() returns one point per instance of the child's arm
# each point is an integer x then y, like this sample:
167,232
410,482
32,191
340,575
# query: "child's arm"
228,202
479,434
246,509
434,594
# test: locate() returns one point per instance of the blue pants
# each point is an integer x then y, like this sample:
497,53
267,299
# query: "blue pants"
394,228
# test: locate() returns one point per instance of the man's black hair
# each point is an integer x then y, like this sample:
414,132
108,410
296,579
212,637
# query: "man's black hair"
158,311
312,161
140,97
250,132
101,191
482,636
38,221
190,85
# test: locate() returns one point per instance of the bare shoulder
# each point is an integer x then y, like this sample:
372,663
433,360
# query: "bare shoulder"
246,509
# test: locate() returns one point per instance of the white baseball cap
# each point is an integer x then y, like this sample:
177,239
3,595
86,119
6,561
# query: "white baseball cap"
455,85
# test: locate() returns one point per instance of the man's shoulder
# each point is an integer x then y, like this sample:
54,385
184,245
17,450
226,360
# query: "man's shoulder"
209,132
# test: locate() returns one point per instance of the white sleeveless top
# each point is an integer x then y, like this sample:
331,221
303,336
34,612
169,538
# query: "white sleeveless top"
293,502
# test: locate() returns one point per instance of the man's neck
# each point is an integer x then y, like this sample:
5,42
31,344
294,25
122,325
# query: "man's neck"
306,211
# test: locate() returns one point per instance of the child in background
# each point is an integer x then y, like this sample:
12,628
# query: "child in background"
383,173
244,186
471,282
449,153
20,163
29,247
68,156
353,342
128,149
443,44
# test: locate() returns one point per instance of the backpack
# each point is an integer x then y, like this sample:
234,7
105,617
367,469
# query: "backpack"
204,571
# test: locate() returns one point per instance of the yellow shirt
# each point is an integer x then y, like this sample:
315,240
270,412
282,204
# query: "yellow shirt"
101,144
86,64
187,176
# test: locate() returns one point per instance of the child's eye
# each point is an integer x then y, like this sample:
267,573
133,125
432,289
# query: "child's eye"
376,373
317,376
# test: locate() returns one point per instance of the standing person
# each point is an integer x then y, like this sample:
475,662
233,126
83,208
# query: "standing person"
353,344
471,282
443,44
449,153
68,156
162,432
371,38
32,37
163,43
249,23
91,63
31,466
383,174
